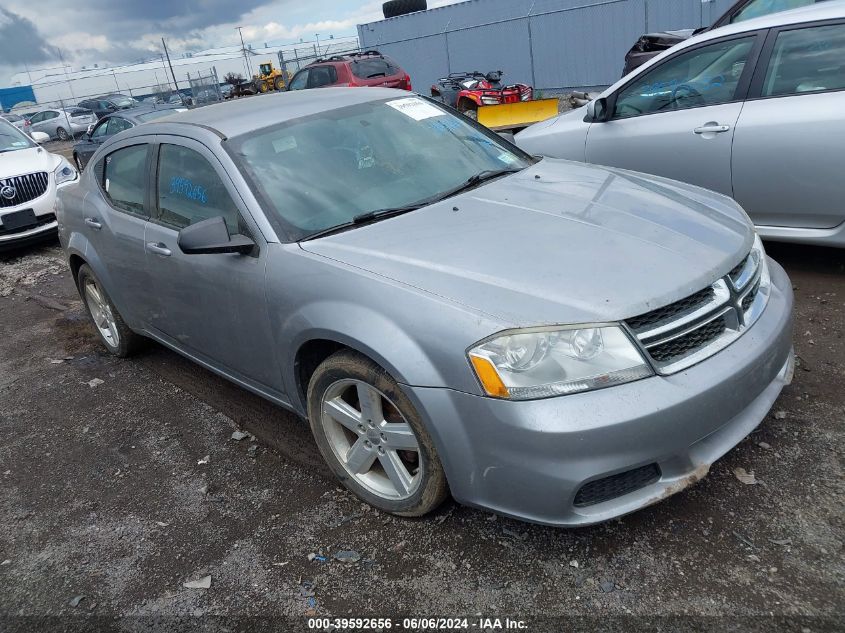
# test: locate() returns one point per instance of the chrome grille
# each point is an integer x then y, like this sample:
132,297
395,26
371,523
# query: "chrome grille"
27,187
686,332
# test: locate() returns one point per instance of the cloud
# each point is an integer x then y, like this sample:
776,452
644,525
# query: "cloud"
20,41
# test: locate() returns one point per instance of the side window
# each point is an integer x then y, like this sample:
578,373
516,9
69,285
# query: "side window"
807,60
125,177
701,77
758,8
300,81
322,76
101,130
189,190
118,124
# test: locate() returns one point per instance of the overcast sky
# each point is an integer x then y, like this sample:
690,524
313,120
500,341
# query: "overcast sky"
114,31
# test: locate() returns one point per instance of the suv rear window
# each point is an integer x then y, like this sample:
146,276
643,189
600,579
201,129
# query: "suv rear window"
370,68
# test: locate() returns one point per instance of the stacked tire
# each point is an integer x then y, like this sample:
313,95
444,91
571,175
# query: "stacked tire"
395,8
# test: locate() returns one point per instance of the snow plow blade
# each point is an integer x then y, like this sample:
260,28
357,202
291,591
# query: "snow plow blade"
510,116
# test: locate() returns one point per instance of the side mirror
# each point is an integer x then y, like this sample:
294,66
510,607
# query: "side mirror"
597,111
89,130
211,237
40,137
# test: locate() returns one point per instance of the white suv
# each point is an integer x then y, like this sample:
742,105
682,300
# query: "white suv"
29,179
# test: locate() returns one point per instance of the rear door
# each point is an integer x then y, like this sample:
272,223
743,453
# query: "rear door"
677,118
115,219
211,306
789,147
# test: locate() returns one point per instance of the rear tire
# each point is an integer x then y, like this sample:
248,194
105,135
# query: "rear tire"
380,450
395,8
279,83
62,134
118,339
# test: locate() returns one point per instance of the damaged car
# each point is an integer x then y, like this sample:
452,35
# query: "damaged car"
652,44
548,340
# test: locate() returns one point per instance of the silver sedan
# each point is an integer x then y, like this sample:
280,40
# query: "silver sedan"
752,110
559,342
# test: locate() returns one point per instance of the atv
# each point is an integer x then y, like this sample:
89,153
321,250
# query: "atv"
469,91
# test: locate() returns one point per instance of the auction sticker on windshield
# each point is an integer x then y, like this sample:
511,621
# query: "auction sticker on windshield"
417,109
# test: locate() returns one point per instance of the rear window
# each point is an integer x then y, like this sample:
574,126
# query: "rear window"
12,118
372,68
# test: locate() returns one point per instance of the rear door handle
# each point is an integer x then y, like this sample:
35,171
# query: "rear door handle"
93,223
712,128
158,248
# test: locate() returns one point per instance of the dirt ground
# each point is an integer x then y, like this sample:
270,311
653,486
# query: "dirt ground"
121,482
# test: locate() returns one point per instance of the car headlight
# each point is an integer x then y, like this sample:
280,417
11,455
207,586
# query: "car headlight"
65,172
758,253
546,362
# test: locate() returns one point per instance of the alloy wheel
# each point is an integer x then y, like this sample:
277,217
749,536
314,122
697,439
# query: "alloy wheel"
62,134
101,313
371,439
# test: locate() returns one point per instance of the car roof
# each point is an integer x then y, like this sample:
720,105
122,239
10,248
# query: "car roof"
233,118
134,113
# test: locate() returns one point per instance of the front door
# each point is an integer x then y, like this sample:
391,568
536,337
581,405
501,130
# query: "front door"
677,119
211,306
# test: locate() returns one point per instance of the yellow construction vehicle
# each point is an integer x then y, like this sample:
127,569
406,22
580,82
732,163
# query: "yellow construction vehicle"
269,78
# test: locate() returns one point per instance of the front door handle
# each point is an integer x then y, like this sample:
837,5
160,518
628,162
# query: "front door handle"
94,223
158,248
712,128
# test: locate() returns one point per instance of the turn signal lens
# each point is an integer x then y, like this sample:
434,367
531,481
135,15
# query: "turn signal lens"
489,377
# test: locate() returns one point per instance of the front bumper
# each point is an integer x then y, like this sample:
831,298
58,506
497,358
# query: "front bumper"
47,227
530,459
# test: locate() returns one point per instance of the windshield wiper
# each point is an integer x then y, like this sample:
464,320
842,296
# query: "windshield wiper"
382,214
366,218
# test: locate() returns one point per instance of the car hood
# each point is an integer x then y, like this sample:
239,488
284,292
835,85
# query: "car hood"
560,242
26,161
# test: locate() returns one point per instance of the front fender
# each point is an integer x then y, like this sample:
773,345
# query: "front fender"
365,330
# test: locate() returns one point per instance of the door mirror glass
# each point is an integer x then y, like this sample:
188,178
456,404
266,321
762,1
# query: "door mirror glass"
212,237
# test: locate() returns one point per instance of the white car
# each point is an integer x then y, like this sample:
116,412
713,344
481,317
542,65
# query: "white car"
29,179
753,110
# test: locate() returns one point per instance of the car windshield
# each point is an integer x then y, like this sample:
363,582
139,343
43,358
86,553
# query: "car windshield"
328,169
11,138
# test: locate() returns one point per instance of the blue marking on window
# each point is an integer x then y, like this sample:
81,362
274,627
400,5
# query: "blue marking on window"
187,189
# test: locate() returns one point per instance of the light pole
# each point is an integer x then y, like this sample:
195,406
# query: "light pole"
243,49
319,52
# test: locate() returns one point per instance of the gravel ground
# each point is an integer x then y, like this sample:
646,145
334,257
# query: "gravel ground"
121,482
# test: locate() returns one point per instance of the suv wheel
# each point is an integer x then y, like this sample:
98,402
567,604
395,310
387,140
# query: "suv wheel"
372,437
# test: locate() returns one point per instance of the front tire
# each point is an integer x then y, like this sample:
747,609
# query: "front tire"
372,437
111,328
